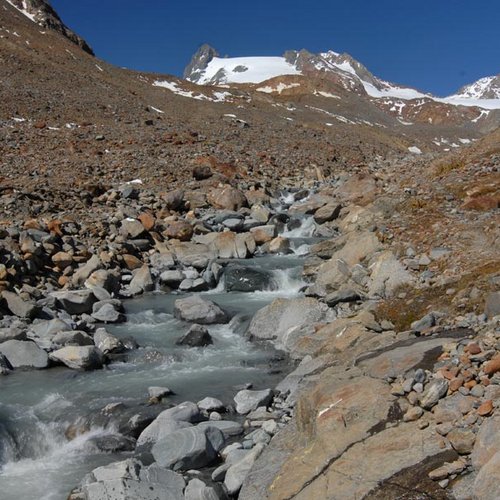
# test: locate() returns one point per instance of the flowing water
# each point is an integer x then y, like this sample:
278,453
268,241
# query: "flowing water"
38,462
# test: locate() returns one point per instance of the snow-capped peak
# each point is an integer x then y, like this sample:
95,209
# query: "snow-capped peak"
485,88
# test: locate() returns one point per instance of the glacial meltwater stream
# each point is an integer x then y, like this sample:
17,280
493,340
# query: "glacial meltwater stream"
38,461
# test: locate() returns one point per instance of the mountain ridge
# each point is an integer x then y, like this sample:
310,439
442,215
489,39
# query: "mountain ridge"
207,68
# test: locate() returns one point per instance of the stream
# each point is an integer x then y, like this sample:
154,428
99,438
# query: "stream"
37,461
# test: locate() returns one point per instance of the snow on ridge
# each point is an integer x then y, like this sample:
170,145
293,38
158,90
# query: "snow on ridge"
246,69
477,89
24,10
173,87
279,88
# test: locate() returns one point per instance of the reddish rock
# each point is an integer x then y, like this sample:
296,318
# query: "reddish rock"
470,384
486,408
492,366
473,348
147,220
227,198
456,383
131,261
179,230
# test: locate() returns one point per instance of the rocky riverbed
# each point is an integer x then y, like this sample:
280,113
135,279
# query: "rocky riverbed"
250,343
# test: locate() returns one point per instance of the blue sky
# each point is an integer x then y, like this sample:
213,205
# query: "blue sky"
434,45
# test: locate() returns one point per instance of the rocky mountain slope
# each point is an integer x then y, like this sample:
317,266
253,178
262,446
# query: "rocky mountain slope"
42,13
113,182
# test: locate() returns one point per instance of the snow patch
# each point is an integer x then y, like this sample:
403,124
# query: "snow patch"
157,110
279,88
245,70
415,150
326,94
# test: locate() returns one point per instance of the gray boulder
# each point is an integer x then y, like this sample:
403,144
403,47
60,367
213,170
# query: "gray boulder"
129,480
79,357
170,420
19,307
107,313
247,279
210,404
5,368
142,281
197,310
24,354
287,320
190,448
72,338
107,343
433,393
198,490
75,301
237,473
196,336
247,401
12,333
228,427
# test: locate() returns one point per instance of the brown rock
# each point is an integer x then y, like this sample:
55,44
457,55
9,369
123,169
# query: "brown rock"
62,260
486,408
179,230
279,245
492,366
147,220
462,440
456,383
227,198
473,348
131,261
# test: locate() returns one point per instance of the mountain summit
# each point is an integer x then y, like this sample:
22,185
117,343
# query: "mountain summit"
43,14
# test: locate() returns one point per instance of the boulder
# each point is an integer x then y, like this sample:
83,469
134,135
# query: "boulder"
108,314
84,271
193,254
227,198
174,199
279,244
180,230
247,279
75,301
189,448
487,442
107,343
237,472
387,275
263,234
433,393
229,245
12,333
228,427
327,213
73,337
210,404
198,310
247,401
487,483
79,357
142,281
5,368
286,320
132,228
130,479
196,336
24,354
170,420
20,307
198,490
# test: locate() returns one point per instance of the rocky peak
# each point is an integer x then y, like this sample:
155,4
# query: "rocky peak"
199,62
42,13
484,88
